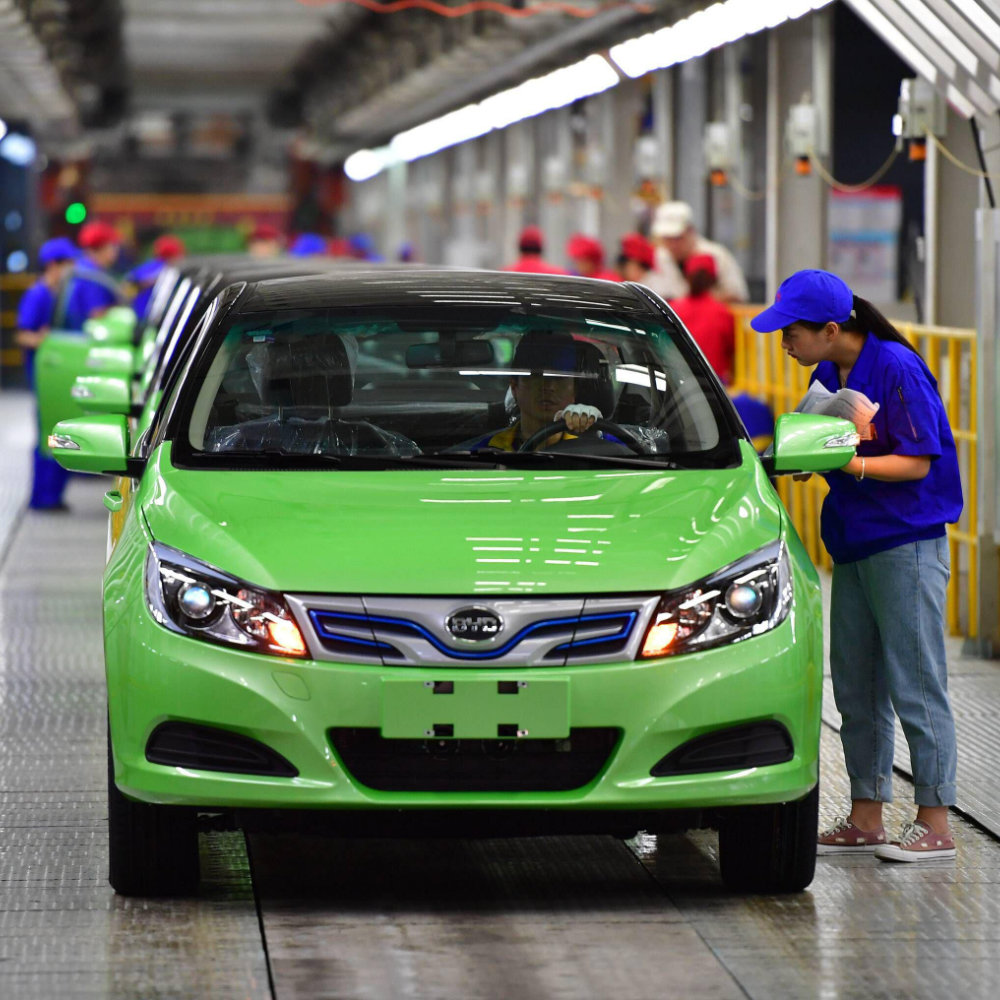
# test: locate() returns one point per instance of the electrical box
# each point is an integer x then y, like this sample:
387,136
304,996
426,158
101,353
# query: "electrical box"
718,147
921,110
802,131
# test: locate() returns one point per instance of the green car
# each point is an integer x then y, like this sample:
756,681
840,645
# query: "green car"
461,551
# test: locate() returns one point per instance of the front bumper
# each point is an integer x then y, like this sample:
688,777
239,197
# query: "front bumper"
156,676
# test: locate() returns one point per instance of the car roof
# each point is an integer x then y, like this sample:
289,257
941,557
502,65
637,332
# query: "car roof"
418,288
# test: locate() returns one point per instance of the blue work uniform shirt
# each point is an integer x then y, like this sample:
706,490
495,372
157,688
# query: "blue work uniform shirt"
86,294
34,312
862,518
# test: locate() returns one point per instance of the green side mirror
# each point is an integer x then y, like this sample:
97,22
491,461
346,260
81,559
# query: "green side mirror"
115,327
96,443
103,394
110,359
810,442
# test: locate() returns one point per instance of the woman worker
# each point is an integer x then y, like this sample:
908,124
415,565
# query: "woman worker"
883,523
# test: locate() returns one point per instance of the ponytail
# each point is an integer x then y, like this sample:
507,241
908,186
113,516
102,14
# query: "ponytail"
865,318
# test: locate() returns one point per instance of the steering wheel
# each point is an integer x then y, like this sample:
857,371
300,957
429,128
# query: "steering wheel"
559,426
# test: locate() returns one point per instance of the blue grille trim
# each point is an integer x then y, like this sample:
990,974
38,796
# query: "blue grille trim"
319,618
621,635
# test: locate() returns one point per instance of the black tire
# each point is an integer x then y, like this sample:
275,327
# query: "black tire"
770,848
153,849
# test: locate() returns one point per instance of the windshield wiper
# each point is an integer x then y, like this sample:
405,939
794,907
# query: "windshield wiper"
542,457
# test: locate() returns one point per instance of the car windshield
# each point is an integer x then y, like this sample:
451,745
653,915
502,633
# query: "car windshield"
389,387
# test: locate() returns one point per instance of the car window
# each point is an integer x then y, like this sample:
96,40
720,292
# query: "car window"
305,383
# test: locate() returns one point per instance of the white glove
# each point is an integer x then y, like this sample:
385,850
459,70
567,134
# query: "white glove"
579,417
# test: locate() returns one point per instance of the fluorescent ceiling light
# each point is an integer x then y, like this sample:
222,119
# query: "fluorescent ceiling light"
366,163
705,30
533,97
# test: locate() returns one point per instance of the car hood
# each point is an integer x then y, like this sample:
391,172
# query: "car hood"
463,531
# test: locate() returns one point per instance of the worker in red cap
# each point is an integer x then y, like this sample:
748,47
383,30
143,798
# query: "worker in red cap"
265,241
531,245
166,250
91,290
709,321
636,258
586,257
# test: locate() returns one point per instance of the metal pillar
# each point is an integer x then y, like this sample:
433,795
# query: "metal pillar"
798,64
951,197
620,136
692,113
988,429
663,129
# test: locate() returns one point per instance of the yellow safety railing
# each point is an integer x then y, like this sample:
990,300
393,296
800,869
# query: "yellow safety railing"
762,369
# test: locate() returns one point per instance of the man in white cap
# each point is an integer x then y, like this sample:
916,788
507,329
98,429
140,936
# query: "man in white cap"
677,239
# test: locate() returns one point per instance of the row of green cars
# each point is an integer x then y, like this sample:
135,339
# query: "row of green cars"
344,592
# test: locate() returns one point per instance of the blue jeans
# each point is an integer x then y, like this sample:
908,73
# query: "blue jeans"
887,652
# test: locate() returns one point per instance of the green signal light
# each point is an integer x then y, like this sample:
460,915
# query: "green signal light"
76,212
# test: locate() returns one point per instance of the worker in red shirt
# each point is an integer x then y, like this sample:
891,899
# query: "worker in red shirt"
709,321
265,240
530,245
586,257
636,258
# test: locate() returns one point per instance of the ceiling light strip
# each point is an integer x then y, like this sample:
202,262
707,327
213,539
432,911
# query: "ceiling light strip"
590,76
704,30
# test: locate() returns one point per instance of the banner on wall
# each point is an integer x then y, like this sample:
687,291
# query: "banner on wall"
864,240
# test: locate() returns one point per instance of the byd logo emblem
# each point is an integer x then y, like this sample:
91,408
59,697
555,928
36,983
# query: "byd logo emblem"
474,624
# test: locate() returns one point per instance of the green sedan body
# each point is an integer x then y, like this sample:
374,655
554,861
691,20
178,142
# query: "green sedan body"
333,594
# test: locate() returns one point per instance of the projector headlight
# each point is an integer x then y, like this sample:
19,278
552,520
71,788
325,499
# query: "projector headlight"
742,600
189,596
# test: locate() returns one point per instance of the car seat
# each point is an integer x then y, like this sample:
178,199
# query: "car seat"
313,376
597,389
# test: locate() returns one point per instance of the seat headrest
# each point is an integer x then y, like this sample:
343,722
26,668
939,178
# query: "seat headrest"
312,371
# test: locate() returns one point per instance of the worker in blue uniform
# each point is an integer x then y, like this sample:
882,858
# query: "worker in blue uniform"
884,524
166,249
92,290
34,319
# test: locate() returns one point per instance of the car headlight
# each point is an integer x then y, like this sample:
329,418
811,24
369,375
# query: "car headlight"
189,596
742,600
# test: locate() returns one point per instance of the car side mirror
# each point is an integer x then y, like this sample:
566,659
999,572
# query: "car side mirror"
114,328
810,442
97,443
110,359
103,394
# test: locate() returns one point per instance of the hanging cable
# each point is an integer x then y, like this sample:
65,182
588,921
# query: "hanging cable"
826,176
982,163
745,192
953,159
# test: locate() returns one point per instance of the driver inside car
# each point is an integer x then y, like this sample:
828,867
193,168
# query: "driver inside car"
542,396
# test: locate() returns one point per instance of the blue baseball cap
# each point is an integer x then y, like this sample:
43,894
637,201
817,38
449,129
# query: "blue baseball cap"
811,295
58,249
146,271
308,245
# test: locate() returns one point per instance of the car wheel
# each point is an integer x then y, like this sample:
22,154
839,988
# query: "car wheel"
153,849
770,848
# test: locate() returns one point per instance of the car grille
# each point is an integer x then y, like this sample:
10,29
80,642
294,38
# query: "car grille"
474,765
409,631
